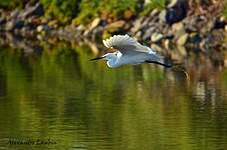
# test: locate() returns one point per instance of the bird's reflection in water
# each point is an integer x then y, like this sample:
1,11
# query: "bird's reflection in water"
178,74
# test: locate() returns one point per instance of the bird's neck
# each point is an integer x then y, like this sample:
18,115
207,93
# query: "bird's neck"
112,63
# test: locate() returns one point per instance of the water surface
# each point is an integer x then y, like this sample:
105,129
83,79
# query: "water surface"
57,94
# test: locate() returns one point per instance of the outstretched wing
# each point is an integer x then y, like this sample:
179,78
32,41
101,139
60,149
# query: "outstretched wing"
125,44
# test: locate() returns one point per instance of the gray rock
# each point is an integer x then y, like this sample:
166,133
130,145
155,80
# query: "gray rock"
24,30
178,27
80,28
152,24
211,24
182,40
53,24
162,16
18,24
219,23
225,62
127,27
2,20
86,33
9,25
137,25
200,23
178,30
190,24
195,38
156,47
115,26
148,33
97,32
167,44
39,28
155,12
32,10
94,23
14,14
156,37
138,35
176,12
42,28
145,23
182,50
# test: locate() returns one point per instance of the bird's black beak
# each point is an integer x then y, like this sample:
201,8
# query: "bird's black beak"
97,58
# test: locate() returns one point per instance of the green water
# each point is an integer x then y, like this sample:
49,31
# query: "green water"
57,94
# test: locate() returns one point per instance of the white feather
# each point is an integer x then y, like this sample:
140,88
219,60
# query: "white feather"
124,43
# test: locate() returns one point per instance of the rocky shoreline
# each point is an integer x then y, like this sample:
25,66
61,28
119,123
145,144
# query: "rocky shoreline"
178,25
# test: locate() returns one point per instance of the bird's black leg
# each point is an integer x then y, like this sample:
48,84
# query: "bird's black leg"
162,64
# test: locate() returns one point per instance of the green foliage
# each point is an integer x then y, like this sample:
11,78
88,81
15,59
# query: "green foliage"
63,10
225,9
91,9
117,7
88,10
4,3
12,3
159,4
83,11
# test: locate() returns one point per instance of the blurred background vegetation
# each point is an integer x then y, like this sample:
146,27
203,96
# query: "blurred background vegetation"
80,10
83,11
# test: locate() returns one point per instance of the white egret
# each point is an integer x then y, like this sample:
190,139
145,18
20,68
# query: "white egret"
129,51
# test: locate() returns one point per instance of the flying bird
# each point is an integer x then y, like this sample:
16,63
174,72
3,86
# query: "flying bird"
129,51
